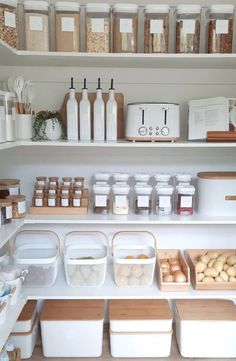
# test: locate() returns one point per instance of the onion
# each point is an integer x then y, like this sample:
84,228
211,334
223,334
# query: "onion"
179,277
175,267
168,278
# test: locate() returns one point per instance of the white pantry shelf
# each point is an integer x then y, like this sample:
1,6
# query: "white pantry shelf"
8,230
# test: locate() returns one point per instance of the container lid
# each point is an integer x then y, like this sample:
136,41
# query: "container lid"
27,316
143,189
183,177
97,8
165,190
16,198
221,9
67,6
188,9
5,203
217,175
102,176
125,8
162,177
207,310
142,177
101,189
72,310
79,178
9,182
12,3
120,189
121,177
188,190
36,5
157,9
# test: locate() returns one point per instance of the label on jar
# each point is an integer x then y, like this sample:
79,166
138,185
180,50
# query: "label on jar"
65,191
9,212
52,183
156,27
143,201
10,19
120,201
65,202
78,191
164,201
41,183
36,23
101,182
66,184
186,202
51,202
21,207
78,184
38,203
97,25
188,26
76,202
126,26
222,26
39,191
100,201
13,191
52,191
68,24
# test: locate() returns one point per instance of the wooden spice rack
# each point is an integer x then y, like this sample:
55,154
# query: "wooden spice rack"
58,210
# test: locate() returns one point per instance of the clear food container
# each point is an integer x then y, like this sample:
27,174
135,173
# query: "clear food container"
41,181
9,22
220,28
67,26
183,179
185,200
101,201
143,199
164,200
53,181
162,179
97,28
121,199
121,178
141,178
102,178
125,28
79,181
156,28
38,200
18,206
188,26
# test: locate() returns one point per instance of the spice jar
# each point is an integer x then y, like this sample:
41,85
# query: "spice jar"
41,181
102,178
6,211
53,181
9,22
125,28
141,178
185,200
220,28
9,187
162,179
18,206
79,181
121,178
10,116
65,190
143,199
101,198
65,200
52,190
164,200
120,201
183,179
67,26
188,25
2,119
39,200
67,181
36,25
76,200
52,200
97,28
156,28
39,190
77,190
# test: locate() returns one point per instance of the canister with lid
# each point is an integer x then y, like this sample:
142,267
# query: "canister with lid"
101,201
41,180
65,200
121,178
97,28
67,26
9,22
9,187
156,28
18,206
67,181
10,114
76,200
141,178
2,118
39,190
121,199
79,181
53,181
220,28
143,199
102,178
188,26
125,28
39,200
185,200
164,200
162,179
6,211
183,179
52,200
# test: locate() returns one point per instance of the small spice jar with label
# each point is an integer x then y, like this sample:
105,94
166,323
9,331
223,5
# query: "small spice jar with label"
162,179
120,201
79,181
53,181
18,206
143,199
156,28
52,200
141,178
65,190
77,190
39,190
102,178
101,201
220,28
9,22
121,178
6,211
65,200
164,200
183,179
185,200
67,181
188,27
53,190
9,187
125,28
76,200
41,181
39,200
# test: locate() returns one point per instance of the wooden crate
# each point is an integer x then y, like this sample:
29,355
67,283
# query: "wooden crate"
192,255
63,211
172,286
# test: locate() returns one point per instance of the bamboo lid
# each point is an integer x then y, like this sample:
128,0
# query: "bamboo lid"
72,310
206,310
217,175
28,311
9,182
139,310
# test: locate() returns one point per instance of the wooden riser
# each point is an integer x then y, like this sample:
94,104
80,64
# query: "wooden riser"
57,211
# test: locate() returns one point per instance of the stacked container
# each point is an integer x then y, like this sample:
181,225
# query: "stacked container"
9,22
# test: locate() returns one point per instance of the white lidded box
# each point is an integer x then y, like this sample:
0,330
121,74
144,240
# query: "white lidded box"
217,193
206,328
85,258
72,328
37,251
25,331
140,328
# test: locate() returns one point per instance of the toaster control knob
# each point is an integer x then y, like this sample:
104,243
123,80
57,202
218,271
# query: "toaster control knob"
142,131
165,131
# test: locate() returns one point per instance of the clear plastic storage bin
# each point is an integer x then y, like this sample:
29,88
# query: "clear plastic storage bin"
121,199
188,26
143,199
164,200
101,200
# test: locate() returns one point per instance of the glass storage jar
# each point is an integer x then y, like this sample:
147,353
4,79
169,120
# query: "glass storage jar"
36,25
9,22
6,211
53,181
141,178
185,200
67,181
220,28
156,28
79,182
76,200
65,190
102,178
188,27
2,119
183,179
52,200
53,190
101,201
9,187
77,190
65,200
125,28
164,200
97,28
143,199
39,190
120,199
41,181
162,179
67,26
121,178
39,200
10,114
18,206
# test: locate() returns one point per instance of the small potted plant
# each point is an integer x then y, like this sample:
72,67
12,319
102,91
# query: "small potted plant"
48,126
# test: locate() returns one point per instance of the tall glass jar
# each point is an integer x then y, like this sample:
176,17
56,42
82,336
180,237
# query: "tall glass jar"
143,199
125,28
120,199
220,28
188,27
185,200
6,211
9,22
183,179
67,26
156,28
18,206
101,200
36,25
164,200
97,28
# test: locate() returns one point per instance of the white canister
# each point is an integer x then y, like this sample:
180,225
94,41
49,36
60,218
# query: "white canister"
24,127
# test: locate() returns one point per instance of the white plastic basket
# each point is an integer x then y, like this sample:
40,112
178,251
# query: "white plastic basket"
80,269
134,271
37,251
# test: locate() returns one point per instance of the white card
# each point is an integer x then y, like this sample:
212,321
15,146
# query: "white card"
78,191
120,201
97,25
156,27
21,207
143,201
36,23
100,201
222,26
9,19
188,26
164,201
51,202
8,212
126,26
68,24
186,202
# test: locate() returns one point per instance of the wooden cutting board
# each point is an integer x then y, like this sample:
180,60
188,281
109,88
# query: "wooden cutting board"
92,96
220,136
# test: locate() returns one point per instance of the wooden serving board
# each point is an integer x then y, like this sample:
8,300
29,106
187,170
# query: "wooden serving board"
220,136
57,211
92,96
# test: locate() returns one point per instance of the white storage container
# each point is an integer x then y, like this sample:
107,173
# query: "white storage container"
206,328
72,328
85,258
217,193
38,252
140,328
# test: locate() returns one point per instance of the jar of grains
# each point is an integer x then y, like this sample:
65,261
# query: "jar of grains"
9,22
52,200
53,181
164,200
101,198
220,28
6,211
67,26
79,181
18,206
97,28
39,200
188,27
185,200
36,25
143,199
120,202
9,187
125,28
156,28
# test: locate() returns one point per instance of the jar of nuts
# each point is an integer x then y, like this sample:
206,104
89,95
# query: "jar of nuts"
188,27
18,206
9,22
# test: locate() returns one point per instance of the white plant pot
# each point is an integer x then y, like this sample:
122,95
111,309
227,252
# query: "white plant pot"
52,129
